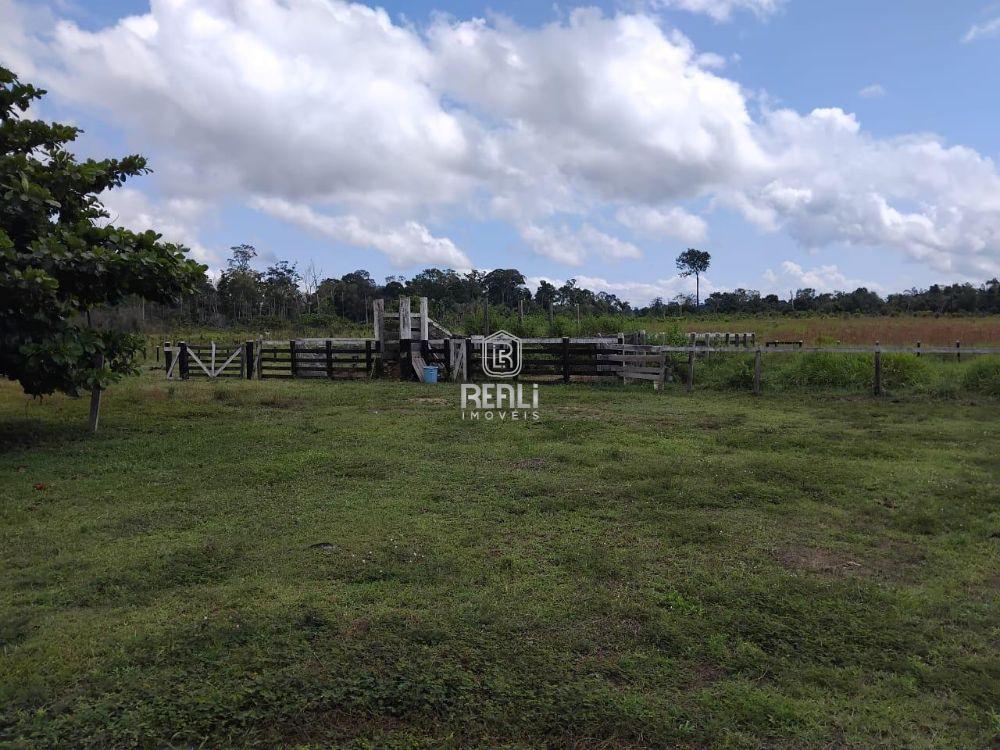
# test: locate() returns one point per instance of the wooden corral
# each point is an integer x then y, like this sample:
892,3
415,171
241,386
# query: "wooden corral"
402,345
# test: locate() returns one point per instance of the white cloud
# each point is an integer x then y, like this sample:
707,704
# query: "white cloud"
673,222
336,111
636,292
177,219
722,10
874,91
306,99
983,30
406,245
829,278
829,182
573,248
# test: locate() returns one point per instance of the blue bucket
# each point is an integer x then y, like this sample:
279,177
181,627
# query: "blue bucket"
430,374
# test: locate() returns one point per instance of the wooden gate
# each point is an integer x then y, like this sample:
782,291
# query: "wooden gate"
206,359
639,363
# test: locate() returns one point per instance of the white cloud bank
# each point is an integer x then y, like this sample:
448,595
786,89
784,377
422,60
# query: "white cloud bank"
829,278
636,292
404,245
874,91
722,10
331,115
983,30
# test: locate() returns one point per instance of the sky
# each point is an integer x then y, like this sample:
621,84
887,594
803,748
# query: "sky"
802,143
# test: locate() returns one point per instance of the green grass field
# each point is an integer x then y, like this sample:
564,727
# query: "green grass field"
316,564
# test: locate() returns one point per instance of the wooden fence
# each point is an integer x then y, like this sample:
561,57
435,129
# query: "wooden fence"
460,359
330,358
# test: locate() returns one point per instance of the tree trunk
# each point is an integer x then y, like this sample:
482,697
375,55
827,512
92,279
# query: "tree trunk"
95,397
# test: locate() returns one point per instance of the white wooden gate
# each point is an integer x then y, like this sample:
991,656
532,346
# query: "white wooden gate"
212,366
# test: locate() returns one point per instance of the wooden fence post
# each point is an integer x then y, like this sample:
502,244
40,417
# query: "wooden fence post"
291,357
368,358
95,395
918,348
424,322
379,359
405,323
468,370
565,362
184,360
329,359
690,381
378,319
958,350
248,359
756,372
405,361
878,369
168,357
624,369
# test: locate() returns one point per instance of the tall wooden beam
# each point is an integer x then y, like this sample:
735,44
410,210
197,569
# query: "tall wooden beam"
405,322
378,319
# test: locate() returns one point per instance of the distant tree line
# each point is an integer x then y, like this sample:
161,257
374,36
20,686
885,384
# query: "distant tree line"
282,294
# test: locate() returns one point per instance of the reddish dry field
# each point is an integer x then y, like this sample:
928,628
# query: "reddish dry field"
896,331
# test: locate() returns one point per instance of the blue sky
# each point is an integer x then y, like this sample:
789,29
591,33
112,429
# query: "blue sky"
802,143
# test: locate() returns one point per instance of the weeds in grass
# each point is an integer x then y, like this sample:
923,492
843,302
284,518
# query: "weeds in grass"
983,376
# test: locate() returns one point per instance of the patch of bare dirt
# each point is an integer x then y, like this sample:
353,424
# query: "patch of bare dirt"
529,463
818,561
703,675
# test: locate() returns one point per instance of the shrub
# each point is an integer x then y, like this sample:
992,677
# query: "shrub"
983,376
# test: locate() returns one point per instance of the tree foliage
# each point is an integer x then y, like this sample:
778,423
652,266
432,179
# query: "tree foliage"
694,263
59,261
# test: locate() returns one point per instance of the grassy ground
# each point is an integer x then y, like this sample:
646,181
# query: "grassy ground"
258,564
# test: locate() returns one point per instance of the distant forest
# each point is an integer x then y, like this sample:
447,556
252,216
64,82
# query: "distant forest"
283,295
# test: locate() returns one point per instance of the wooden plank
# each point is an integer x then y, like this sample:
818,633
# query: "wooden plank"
424,321
653,376
418,366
